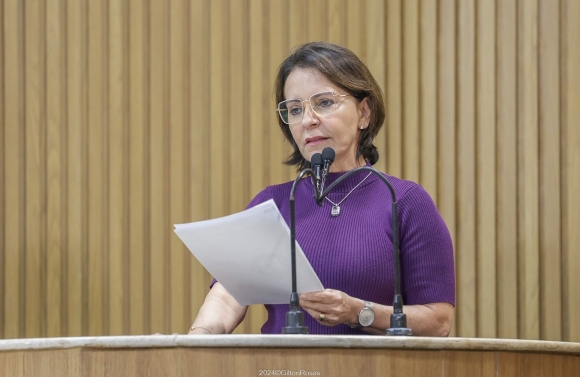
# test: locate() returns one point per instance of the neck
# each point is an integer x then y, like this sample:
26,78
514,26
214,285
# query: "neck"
343,166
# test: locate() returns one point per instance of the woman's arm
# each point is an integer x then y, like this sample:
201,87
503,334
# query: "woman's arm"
219,314
432,319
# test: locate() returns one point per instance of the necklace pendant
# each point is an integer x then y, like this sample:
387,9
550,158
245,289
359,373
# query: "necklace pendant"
335,210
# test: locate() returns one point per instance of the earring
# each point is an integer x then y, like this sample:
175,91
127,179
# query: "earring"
362,126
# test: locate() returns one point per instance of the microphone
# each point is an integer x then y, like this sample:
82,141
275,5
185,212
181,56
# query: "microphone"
295,316
316,164
328,156
398,324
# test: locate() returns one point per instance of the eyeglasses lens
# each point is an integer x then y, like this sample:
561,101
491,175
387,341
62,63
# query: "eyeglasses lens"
291,111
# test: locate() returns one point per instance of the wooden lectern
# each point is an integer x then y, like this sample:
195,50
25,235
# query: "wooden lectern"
286,355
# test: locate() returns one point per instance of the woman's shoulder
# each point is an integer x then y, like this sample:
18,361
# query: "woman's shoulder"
277,192
405,187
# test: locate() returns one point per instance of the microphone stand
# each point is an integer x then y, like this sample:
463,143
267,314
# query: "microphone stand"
295,316
398,318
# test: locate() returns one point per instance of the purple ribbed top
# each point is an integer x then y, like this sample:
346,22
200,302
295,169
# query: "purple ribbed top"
353,252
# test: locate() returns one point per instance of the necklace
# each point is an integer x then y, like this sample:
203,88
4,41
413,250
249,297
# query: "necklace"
336,206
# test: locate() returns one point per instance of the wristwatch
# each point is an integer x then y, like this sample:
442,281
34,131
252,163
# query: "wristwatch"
366,316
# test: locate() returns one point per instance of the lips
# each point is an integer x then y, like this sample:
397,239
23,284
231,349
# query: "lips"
315,140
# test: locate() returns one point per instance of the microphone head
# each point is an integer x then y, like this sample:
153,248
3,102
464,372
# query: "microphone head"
316,160
328,155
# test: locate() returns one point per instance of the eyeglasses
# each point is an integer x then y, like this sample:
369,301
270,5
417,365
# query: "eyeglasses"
292,110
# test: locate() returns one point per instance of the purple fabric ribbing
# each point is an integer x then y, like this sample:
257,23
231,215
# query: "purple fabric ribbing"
354,253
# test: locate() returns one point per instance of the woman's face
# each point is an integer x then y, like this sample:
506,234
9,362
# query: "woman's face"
339,130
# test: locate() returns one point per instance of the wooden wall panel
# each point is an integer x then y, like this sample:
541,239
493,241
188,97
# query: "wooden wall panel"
120,118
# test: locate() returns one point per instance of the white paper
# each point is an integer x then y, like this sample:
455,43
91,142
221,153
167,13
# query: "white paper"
249,254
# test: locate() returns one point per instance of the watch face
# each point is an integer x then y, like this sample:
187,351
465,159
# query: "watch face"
366,317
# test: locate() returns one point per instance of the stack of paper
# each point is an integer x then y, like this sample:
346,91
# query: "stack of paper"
249,254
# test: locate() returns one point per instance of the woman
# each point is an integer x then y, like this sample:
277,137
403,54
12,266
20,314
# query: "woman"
327,98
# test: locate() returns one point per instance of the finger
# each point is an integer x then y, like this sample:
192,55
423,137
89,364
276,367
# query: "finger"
326,319
327,296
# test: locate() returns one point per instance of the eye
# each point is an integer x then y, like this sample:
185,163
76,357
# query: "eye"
325,102
296,110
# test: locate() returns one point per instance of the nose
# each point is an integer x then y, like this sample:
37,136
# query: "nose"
309,118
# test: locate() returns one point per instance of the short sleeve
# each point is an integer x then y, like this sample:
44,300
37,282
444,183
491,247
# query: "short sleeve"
427,264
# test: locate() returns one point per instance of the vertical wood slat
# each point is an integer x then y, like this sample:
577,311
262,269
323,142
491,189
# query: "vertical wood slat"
13,168
218,101
35,147
549,171
277,50
486,306
55,189
506,169
393,131
336,21
96,178
2,184
138,94
237,130
446,110
75,168
375,59
199,139
258,93
466,203
298,24
259,102
178,163
428,96
111,110
571,201
158,149
528,269
410,91
317,26
116,168
355,22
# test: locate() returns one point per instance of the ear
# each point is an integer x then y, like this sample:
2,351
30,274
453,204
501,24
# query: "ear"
364,111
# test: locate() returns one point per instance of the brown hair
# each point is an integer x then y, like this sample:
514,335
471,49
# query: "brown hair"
344,69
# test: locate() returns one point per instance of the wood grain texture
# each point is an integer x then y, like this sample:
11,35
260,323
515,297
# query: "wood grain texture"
12,364
528,180
549,136
466,251
506,170
121,118
571,136
13,160
75,162
476,364
138,214
485,165
52,363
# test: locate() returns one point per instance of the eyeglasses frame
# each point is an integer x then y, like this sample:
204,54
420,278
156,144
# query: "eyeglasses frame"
309,104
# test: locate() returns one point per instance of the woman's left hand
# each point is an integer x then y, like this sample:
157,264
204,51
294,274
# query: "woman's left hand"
331,307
